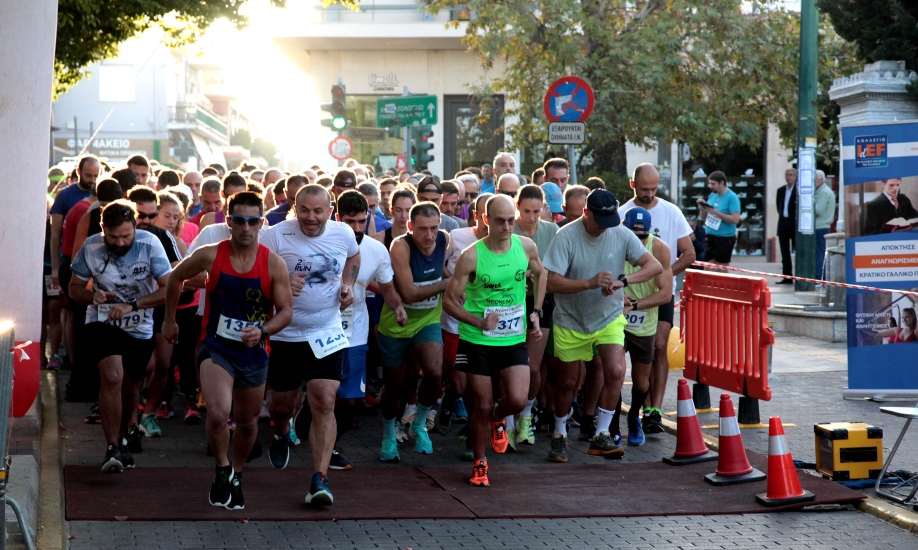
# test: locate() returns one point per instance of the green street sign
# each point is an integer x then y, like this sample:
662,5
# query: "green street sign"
406,111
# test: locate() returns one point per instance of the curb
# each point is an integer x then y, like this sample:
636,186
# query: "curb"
51,527
885,511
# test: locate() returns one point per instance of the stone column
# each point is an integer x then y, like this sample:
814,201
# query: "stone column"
26,72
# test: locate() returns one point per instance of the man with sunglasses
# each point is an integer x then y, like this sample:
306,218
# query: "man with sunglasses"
248,300
430,189
323,260
641,309
145,202
493,326
508,184
586,271
128,270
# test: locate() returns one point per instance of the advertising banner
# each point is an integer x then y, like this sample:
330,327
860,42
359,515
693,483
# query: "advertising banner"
880,175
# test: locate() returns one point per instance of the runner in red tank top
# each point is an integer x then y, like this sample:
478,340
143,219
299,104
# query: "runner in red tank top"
248,298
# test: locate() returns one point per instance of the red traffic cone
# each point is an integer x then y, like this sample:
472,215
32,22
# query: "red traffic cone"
783,483
690,447
732,465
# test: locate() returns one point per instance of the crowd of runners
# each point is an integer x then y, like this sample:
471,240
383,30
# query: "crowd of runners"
493,302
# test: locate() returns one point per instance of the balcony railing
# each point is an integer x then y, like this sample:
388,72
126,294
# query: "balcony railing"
187,113
388,11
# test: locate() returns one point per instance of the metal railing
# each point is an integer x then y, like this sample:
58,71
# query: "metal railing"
189,113
369,9
7,357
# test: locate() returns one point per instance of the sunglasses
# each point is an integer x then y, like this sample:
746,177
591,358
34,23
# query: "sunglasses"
472,195
142,215
508,193
253,221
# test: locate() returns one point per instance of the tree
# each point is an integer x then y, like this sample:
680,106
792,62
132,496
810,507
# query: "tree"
89,31
885,31
701,71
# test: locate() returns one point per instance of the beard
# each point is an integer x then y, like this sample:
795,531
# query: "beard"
647,200
119,251
359,235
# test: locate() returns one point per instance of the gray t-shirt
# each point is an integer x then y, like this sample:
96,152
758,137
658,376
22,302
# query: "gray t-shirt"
448,224
574,254
545,233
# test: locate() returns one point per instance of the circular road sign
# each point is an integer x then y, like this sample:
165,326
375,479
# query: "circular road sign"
341,148
569,99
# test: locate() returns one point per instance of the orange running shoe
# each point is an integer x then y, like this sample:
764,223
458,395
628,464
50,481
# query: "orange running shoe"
499,436
480,474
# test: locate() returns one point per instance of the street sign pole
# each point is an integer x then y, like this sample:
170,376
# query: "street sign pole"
573,161
406,143
805,261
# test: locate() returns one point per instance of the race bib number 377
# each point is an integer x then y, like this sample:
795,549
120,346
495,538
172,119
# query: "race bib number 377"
511,320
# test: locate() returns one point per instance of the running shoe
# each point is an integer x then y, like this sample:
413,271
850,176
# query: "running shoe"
94,417
339,461
525,434
127,460
319,493
192,414
133,439
480,474
653,422
499,436
459,412
112,464
443,420
604,445
294,439
236,502
511,440
149,427
264,413
431,419
55,362
279,451
463,434
220,488
422,443
587,428
635,432
576,416
164,411
401,431
389,451
558,452
201,403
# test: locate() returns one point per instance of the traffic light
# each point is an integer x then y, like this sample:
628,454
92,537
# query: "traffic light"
423,143
337,108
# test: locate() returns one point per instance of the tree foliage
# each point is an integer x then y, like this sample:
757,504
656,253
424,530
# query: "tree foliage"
706,72
89,31
881,31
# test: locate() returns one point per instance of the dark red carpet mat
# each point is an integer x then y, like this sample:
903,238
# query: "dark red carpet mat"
536,490
181,494
618,489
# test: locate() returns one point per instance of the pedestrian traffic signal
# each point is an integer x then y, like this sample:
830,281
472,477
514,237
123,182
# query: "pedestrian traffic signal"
337,108
423,143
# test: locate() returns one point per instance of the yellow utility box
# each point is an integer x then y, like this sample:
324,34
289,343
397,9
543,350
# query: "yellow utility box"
849,450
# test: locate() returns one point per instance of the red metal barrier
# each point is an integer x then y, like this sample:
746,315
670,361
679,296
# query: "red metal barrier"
725,324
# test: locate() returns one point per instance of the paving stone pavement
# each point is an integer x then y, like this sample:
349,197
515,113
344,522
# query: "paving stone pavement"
806,383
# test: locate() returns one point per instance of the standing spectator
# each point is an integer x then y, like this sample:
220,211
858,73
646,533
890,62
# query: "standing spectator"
787,222
721,213
825,215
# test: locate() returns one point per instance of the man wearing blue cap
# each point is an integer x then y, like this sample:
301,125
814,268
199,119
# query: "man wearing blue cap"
586,271
642,303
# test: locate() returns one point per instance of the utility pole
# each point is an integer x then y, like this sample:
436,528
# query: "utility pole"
805,244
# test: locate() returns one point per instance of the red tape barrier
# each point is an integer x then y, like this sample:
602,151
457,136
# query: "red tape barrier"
795,278
725,323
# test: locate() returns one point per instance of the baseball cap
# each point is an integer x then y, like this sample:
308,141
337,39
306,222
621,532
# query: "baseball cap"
604,207
430,184
638,220
552,197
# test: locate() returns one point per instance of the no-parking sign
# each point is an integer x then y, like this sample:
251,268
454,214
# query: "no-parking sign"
569,99
341,148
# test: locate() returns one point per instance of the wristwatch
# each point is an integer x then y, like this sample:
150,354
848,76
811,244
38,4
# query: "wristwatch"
633,304
539,311
623,279
264,334
133,305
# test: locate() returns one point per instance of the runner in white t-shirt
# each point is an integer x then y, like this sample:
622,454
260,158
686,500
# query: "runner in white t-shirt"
323,261
460,239
375,271
670,226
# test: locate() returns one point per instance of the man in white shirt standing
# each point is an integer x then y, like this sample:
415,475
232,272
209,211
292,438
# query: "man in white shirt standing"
323,260
670,225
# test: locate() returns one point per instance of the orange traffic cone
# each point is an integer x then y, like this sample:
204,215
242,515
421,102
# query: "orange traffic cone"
783,483
690,447
732,465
